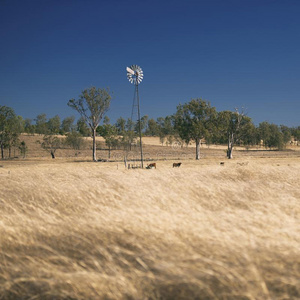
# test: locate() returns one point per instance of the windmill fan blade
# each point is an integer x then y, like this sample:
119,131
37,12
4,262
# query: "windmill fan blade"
130,71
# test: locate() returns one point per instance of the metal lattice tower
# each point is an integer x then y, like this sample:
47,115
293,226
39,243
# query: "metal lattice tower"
135,76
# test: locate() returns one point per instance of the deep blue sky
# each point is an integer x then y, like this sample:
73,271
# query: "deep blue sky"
241,53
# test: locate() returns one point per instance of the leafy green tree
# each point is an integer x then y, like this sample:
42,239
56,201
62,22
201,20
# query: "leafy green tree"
11,127
249,133
110,134
15,128
287,133
271,135
165,128
152,128
121,125
129,135
168,125
75,140
51,143
295,131
129,126
264,132
23,148
29,128
170,140
276,137
41,124
106,120
82,128
67,124
92,105
235,128
53,125
195,121
144,123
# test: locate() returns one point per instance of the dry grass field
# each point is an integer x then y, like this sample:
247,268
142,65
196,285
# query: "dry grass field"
82,230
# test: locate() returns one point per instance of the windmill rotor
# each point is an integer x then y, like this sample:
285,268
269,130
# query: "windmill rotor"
135,74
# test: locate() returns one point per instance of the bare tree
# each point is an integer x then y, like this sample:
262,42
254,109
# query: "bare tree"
92,105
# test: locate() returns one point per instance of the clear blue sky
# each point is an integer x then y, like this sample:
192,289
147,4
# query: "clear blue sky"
241,53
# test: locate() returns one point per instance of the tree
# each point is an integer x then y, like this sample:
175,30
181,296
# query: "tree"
120,125
295,131
106,120
168,125
287,133
15,127
53,125
92,105
51,143
75,140
264,132
152,128
23,148
144,123
271,135
67,124
41,124
11,127
82,128
195,121
276,137
236,127
110,134
129,135
28,127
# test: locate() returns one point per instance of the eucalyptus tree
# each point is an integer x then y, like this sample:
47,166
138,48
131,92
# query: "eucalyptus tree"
75,140
120,125
110,134
41,124
264,132
67,124
29,128
92,105
287,133
195,121
152,128
295,131
11,127
143,126
53,125
236,127
129,135
82,128
273,136
51,143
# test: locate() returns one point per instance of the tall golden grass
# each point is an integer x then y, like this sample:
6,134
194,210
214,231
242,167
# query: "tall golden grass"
74,230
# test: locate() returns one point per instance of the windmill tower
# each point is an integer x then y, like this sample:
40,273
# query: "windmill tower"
135,76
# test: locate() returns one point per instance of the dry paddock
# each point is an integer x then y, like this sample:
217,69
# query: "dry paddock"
83,230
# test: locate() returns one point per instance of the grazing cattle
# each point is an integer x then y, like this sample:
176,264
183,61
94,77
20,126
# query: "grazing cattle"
222,163
176,165
151,166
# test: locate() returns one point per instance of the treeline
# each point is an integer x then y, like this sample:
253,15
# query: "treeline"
194,121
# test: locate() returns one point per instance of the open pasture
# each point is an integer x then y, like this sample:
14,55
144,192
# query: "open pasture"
83,230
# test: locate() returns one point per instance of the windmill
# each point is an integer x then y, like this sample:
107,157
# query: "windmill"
135,76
